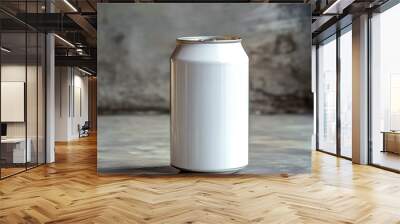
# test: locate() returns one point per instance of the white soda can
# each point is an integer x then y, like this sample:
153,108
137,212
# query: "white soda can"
209,104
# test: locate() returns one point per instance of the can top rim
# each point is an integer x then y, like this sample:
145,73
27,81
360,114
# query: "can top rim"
208,39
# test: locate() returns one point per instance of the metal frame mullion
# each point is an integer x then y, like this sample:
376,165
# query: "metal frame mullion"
37,91
44,79
26,87
0,93
338,80
369,100
317,97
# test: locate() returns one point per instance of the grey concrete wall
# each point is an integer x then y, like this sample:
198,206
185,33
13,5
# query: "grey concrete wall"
135,42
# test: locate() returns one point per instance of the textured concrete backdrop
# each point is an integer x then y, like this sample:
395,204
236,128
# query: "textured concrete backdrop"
135,42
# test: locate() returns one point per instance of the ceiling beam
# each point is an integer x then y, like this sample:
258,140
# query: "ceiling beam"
84,24
82,61
337,6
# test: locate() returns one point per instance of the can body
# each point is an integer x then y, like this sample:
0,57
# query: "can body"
209,106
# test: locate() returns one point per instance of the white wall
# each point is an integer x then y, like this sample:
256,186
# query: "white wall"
70,83
9,73
12,73
33,126
80,89
62,82
13,101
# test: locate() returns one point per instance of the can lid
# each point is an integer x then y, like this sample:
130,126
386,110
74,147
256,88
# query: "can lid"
209,39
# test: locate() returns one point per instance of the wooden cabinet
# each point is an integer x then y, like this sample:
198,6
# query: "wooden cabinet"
391,142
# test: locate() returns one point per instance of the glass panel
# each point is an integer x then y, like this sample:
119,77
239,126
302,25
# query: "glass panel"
31,97
31,87
41,98
13,89
23,90
385,84
346,94
327,96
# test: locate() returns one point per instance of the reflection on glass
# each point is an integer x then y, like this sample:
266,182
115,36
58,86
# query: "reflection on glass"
41,98
346,94
385,95
327,96
14,150
31,100
22,91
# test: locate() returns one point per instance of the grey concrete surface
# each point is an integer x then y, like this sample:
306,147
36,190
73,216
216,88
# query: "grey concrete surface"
135,42
139,145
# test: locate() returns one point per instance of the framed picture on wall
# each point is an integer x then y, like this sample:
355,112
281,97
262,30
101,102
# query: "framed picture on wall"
12,101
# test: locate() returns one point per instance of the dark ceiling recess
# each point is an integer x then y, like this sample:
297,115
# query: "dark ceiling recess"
78,24
79,61
49,22
76,40
75,23
326,24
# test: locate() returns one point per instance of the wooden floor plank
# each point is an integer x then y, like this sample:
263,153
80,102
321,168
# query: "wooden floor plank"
70,191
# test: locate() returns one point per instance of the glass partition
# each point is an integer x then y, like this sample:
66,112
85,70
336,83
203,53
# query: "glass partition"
32,95
22,89
14,153
327,95
41,97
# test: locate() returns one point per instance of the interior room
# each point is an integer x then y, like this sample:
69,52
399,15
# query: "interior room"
25,68
72,95
22,101
342,121
385,90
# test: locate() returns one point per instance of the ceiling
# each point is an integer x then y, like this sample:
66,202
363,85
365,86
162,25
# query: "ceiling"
75,22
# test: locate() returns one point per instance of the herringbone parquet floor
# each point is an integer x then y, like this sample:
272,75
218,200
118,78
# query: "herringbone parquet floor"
70,191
